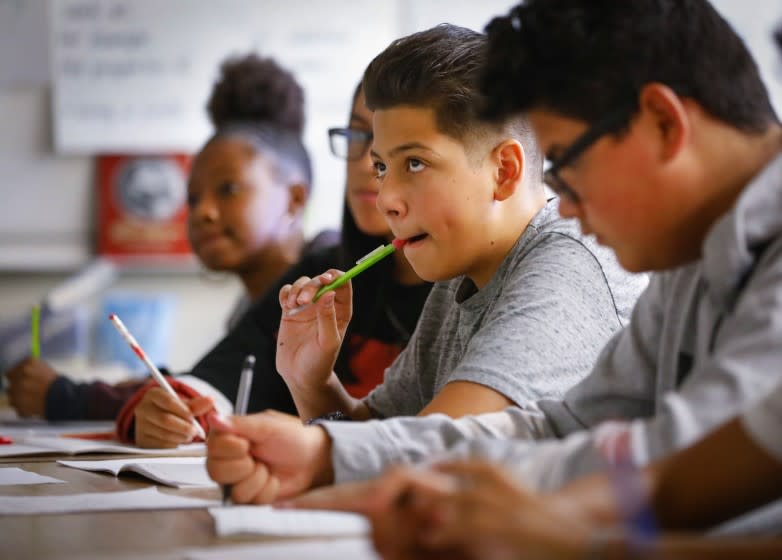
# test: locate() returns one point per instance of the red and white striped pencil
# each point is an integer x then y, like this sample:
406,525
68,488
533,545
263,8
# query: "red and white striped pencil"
150,366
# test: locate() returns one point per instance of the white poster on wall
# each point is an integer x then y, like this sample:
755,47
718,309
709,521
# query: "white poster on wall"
133,76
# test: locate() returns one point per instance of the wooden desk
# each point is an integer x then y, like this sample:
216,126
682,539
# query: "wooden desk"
115,535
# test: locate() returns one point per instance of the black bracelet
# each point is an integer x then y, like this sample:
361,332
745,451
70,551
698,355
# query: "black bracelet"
337,415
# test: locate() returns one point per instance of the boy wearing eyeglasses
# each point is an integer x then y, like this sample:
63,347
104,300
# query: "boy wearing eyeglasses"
522,301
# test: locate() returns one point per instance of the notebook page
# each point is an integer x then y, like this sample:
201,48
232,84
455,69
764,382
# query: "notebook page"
14,475
72,446
147,498
178,472
266,520
333,549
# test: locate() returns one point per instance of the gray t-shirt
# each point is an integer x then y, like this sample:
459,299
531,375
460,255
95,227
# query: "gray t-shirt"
763,422
532,332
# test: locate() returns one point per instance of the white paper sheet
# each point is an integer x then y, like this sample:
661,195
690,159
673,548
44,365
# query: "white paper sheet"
179,472
15,475
266,520
27,428
339,549
147,498
71,446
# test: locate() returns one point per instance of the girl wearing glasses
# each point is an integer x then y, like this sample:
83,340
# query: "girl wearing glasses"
387,301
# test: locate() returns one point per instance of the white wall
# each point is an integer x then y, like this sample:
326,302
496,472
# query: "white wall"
36,254
35,182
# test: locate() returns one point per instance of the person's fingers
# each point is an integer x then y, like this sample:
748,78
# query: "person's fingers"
145,430
165,422
405,486
200,405
153,440
218,422
261,426
250,487
168,403
293,294
474,469
18,371
394,535
308,290
226,446
328,332
283,295
230,471
269,492
480,474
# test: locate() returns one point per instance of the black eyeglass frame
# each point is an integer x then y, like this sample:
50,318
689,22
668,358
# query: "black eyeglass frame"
350,135
613,122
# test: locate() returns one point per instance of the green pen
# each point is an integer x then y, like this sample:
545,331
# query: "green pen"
362,264
35,332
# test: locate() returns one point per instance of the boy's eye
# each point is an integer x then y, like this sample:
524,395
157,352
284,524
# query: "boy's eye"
380,169
192,200
415,165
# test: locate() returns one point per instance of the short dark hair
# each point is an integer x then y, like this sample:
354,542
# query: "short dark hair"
437,69
261,102
586,58
440,69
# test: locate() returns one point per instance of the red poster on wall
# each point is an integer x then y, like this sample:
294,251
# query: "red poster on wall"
142,207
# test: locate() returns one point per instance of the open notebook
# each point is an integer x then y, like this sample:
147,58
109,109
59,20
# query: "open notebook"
179,472
72,446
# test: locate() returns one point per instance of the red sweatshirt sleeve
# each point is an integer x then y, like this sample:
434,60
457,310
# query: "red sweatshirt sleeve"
126,419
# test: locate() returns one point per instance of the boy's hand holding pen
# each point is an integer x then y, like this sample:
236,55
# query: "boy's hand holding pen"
365,262
308,341
240,407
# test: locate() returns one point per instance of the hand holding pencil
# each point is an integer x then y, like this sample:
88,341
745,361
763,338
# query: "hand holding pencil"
308,342
162,418
315,315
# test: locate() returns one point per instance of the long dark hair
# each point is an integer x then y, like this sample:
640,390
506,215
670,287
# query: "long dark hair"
354,243
372,284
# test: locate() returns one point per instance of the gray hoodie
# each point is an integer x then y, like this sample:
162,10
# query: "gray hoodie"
705,342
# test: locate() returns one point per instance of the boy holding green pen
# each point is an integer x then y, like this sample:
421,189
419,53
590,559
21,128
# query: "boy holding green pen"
362,264
523,301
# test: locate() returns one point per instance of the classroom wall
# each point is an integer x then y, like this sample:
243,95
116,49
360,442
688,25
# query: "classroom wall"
36,254
47,200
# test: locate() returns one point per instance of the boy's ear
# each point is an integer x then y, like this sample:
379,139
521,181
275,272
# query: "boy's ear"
509,171
668,118
298,194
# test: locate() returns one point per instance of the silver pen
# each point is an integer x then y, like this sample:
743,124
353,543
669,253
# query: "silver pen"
240,407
